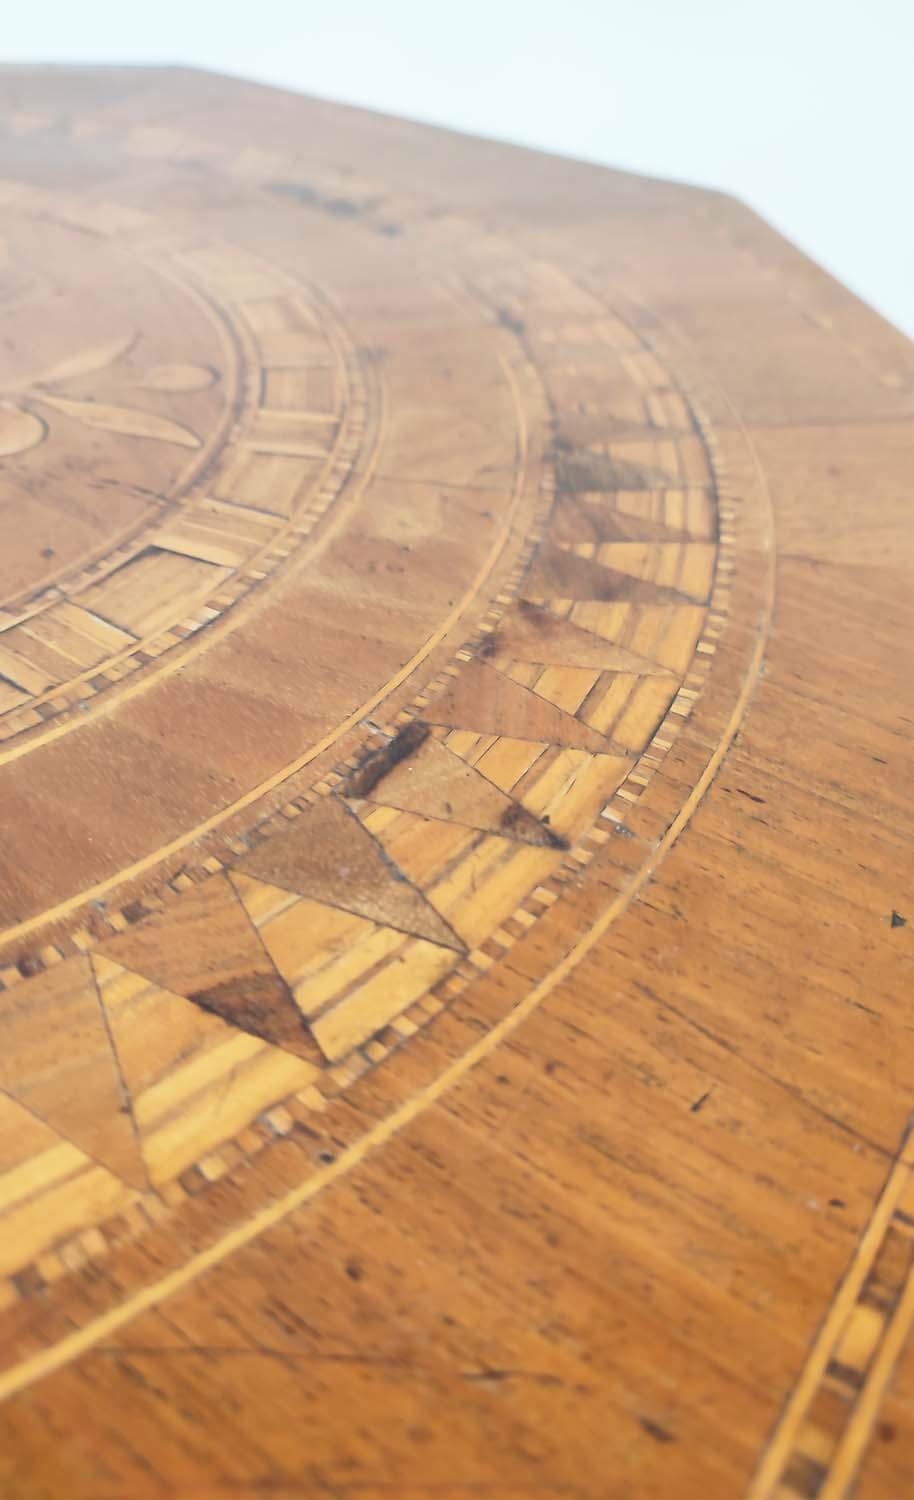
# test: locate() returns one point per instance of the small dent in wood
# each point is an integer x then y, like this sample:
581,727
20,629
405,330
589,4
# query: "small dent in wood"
656,1430
517,820
509,320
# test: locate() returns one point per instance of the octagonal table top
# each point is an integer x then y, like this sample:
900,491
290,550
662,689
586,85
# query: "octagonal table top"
456,783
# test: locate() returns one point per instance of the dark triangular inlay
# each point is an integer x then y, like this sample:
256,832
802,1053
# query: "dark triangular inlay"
581,469
529,632
485,700
562,574
327,855
205,948
439,784
579,518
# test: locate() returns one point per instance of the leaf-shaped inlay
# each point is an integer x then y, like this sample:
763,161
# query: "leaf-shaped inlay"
87,362
125,420
19,431
178,378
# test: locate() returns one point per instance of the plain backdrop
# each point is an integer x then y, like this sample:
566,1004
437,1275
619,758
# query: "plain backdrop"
803,108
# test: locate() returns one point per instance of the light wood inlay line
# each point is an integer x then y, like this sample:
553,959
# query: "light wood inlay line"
847,1446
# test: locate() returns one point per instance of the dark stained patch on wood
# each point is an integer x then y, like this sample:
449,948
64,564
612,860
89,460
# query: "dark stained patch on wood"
654,1429
262,1005
379,763
520,823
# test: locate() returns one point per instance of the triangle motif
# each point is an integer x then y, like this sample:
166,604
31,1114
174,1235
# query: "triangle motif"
483,699
57,1060
683,570
327,855
349,975
531,632
194,1079
436,783
586,518
682,514
205,948
589,470
320,950
563,573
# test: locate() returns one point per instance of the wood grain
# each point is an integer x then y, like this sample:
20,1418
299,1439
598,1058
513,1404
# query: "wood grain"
455,752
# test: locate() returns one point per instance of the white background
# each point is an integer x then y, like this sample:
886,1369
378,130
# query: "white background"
804,108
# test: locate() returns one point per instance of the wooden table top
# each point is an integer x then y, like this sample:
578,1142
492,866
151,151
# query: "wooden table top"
457,884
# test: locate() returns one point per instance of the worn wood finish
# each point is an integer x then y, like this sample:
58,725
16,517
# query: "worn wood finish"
455,757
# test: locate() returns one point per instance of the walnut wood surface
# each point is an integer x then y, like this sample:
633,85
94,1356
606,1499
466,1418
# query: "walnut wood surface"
455,765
